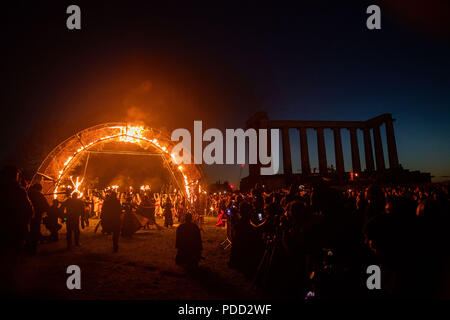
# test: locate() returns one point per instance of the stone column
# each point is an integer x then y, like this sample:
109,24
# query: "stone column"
338,154
379,156
304,152
356,162
321,151
368,152
392,147
287,163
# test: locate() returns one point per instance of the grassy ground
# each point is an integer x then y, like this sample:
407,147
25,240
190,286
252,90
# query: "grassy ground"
144,268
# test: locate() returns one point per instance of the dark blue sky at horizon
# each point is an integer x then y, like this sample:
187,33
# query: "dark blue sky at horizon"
220,65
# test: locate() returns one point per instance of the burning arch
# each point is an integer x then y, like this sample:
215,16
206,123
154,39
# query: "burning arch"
55,167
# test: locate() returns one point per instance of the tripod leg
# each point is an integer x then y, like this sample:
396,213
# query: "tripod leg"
262,264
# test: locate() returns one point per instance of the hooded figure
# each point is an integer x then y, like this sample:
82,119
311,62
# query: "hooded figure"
130,222
168,220
189,244
111,218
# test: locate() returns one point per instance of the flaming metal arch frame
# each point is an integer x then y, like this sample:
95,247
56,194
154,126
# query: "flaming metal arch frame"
63,157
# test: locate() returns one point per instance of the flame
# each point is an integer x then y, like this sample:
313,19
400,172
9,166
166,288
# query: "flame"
131,134
76,185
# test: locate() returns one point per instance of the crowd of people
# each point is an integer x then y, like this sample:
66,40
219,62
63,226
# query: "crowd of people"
318,241
301,242
126,215
27,211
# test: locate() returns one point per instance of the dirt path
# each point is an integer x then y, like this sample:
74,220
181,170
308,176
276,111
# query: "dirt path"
143,268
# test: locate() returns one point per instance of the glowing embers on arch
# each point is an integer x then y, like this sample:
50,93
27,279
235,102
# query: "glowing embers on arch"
130,134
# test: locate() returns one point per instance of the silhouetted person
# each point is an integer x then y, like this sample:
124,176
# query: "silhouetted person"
85,216
16,212
111,218
246,248
375,204
130,222
221,219
168,220
51,222
147,209
181,211
432,249
74,210
40,205
189,244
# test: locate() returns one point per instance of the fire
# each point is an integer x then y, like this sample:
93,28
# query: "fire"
130,134
114,188
76,185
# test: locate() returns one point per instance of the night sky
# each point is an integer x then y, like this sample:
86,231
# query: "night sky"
173,64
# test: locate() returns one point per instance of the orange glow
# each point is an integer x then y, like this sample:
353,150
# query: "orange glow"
126,134
76,186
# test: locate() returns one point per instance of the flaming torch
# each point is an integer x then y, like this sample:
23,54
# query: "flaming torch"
76,185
